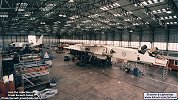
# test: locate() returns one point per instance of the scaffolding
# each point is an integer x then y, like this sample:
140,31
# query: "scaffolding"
31,74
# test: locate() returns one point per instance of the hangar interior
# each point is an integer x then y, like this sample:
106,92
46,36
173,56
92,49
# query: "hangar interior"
46,47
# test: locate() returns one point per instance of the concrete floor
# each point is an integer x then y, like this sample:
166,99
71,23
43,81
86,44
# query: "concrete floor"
92,83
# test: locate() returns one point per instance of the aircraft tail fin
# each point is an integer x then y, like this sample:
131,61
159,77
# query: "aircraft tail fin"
40,41
32,39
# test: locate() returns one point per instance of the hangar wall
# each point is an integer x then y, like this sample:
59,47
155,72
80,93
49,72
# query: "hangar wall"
165,39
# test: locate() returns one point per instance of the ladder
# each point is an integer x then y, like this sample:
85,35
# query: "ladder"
165,72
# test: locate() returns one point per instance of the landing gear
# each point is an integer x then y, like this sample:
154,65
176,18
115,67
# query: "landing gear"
131,68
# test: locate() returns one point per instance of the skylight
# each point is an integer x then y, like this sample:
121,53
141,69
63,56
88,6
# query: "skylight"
105,21
71,1
110,6
42,23
171,23
123,14
136,24
74,17
86,21
162,11
60,15
117,15
150,2
3,14
94,16
168,17
69,21
57,22
67,25
48,7
27,14
21,6
33,18
49,14
133,19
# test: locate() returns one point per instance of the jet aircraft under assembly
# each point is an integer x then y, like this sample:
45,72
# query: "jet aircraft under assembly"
104,55
143,55
31,42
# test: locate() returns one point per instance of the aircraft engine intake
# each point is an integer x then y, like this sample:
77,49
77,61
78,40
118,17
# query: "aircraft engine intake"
142,49
153,52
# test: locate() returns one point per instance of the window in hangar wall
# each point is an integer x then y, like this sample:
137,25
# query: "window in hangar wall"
135,44
125,44
125,36
117,43
173,46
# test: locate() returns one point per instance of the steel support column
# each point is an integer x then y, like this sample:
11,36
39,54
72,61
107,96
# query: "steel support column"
168,35
120,42
129,42
140,37
153,37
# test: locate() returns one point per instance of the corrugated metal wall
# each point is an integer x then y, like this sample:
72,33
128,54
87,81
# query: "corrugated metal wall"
146,35
118,36
135,36
125,36
173,37
160,35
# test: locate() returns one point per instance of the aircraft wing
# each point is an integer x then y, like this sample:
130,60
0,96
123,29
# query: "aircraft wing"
125,53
